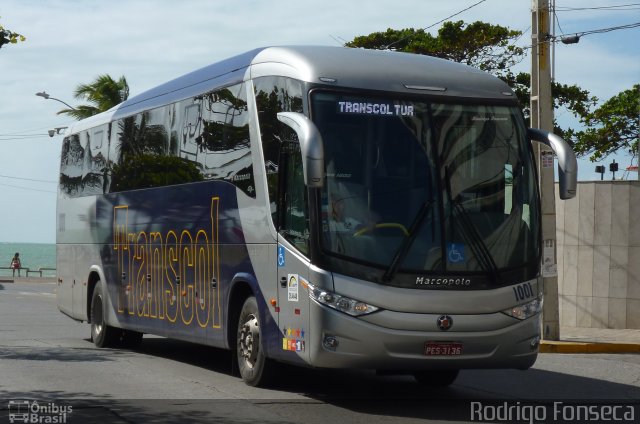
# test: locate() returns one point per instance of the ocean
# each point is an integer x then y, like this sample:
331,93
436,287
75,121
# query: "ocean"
32,256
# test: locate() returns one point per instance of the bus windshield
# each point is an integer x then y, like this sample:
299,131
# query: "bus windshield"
414,186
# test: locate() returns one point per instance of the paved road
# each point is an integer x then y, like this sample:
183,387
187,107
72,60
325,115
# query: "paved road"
48,357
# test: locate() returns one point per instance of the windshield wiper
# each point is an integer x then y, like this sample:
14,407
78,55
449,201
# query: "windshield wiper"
469,232
480,249
402,251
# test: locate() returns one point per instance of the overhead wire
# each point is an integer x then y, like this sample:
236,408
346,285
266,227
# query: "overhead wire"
32,130
27,188
555,16
554,39
23,137
621,7
29,179
455,14
436,23
603,30
20,135
25,134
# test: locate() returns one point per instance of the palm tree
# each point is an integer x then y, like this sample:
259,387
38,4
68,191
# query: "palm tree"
103,94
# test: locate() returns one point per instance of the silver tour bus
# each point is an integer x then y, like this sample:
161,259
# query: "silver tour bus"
320,206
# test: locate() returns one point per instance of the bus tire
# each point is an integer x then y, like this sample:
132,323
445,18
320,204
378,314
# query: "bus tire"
102,335
436,378
253,365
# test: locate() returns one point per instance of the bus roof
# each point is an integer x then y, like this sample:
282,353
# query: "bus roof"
348,67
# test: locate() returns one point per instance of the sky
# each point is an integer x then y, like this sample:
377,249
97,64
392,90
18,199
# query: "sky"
70,42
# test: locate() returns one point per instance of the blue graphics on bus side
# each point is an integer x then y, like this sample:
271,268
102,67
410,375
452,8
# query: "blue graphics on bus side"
170,254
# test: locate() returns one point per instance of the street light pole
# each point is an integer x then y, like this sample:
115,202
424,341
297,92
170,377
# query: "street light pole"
542,118
45,95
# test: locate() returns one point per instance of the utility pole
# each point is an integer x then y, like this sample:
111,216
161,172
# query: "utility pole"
542,118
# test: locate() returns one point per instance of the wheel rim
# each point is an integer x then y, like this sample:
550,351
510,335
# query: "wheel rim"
96,317
249,341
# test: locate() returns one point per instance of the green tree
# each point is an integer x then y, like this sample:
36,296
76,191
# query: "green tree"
612,126
483,46
102,94
575,99
9,37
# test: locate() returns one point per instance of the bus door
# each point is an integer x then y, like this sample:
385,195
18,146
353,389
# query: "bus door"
293,249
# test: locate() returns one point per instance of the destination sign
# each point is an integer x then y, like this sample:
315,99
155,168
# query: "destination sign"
370,108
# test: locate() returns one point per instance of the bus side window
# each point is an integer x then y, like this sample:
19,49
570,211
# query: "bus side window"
273,95
295,225
222,141
95,165
71,166
188,146
142,157
83,163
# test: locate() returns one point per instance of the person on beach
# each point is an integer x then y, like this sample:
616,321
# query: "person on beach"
15,264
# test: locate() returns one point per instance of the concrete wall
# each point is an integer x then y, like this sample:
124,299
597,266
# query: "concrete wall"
598,255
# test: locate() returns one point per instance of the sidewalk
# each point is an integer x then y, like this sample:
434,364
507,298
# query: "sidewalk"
593,340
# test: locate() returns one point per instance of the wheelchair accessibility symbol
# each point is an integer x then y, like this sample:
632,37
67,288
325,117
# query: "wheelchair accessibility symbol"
455,253
281,256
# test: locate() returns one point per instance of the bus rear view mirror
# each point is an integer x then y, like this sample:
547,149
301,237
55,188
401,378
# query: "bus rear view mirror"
567,163
310,145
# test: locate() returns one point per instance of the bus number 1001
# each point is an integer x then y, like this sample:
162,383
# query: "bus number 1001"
523,291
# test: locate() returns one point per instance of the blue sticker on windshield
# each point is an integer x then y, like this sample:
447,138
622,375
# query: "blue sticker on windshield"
455,253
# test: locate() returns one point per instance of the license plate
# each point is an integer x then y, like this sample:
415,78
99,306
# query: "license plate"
442,349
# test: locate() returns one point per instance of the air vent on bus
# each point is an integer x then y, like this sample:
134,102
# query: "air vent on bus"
424,88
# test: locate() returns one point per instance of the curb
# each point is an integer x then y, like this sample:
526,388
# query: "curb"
587,347
18,280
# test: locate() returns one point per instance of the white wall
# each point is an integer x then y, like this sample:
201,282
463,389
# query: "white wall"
598,255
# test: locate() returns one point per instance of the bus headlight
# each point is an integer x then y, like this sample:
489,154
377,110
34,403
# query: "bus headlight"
526,310
344,304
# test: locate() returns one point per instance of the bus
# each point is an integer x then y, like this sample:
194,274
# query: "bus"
317,206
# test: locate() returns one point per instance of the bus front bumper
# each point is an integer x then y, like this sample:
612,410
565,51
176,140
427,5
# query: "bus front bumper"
343,341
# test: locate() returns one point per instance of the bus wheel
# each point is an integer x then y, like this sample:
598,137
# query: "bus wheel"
253,365
103,335
436,378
